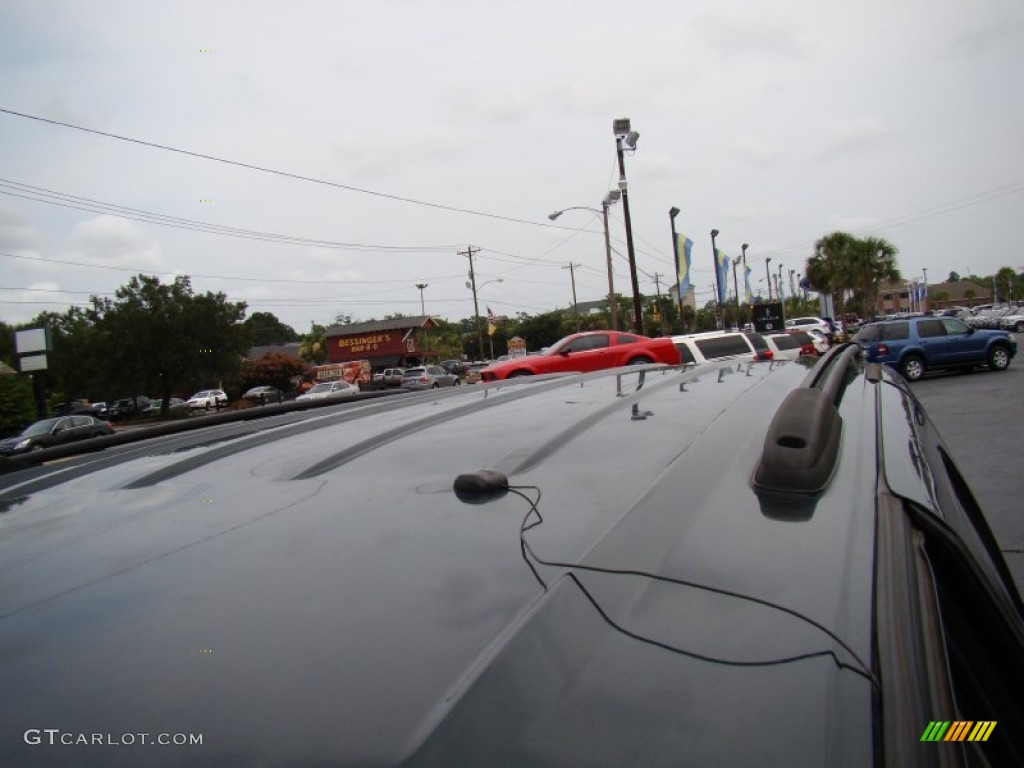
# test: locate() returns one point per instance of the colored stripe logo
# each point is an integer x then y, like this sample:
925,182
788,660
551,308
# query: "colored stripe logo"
958,730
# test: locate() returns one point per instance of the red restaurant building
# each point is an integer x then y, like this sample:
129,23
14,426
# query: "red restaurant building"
395,343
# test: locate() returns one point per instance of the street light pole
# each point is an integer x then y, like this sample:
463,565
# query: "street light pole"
768,274
624,135
743,255
423,310
613,309
718,279
609,200
736,290
672,213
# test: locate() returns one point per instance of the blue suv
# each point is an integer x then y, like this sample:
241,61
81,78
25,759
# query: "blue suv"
917,344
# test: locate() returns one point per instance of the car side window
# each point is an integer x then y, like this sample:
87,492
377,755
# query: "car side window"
757,340
624,338
723,346
895,331
598,341
685,354
954,326
785,341
927,329
868,333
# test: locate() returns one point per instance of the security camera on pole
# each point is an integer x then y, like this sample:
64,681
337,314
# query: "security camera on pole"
627,138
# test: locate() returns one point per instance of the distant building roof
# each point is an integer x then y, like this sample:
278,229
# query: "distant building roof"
291,349
394,324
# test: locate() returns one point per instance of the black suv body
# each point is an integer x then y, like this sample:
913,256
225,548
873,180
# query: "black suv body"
915,345
735,564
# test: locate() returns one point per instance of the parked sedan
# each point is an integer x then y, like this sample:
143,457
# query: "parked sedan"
587,351
791,345
175,405
264,394
1013,320
50,432
429,377
330,389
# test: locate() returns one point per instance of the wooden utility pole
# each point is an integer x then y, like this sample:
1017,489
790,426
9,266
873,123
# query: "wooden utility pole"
470,250
575,308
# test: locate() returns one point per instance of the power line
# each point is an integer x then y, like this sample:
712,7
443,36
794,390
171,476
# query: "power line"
952,206
285,174
148,271
65,200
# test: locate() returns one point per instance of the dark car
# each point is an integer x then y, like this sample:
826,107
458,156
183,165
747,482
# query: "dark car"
70,407
457,367
127,407
585,352
915,345
264,394
739,564
56,431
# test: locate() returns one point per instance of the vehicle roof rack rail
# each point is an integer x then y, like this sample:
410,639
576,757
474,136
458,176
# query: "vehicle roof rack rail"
802,443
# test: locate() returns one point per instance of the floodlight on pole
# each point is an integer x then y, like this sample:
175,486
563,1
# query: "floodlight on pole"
672,213
718,280
422,286
626,138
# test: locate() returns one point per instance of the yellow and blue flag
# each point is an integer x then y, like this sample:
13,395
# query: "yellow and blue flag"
684,251
722,262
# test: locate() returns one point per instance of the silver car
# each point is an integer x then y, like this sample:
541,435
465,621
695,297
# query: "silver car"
329,389
428,377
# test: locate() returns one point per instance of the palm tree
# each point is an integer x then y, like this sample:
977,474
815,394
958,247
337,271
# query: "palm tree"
313,348
870,262
827,270
1006,280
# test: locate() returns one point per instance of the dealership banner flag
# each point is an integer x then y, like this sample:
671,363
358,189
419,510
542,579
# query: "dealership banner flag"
723,274
748,295
684,247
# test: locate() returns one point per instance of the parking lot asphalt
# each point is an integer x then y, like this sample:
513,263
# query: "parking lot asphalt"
981,418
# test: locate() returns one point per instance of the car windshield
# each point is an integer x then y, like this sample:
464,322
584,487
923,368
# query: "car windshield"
40,427
204,393
324,387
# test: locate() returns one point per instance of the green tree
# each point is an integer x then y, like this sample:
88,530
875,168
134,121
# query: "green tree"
162,337
543,330
828,269
274,369
1006,284
17,404
76,366
7,344
313,348
869,262
264,328
953,277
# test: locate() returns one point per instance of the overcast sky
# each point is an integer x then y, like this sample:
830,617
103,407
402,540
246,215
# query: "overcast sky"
429,126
